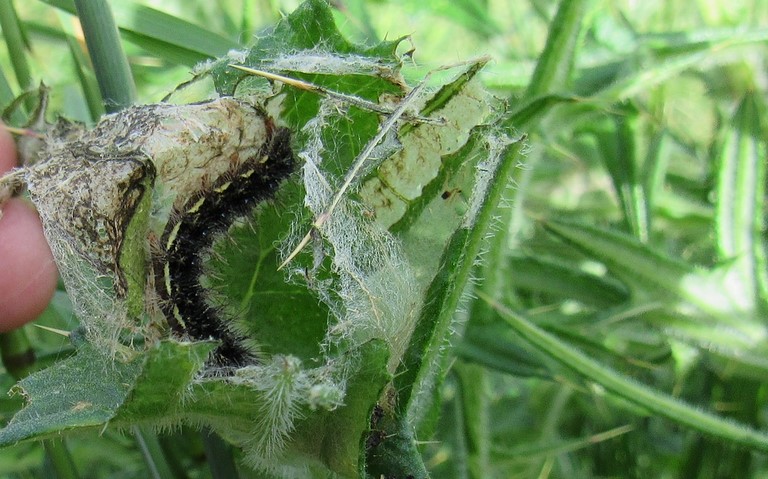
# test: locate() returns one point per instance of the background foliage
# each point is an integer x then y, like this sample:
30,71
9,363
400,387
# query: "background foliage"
627,269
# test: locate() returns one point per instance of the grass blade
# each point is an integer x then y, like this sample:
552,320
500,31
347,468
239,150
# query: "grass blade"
533,110
109,62
543,450
145,22
83,69
164,35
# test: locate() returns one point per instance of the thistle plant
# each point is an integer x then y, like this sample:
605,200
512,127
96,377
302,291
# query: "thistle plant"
298,250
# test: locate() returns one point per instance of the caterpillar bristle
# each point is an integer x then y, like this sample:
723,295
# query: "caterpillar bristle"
186,245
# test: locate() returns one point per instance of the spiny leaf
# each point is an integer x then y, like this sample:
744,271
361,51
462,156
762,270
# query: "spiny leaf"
641,395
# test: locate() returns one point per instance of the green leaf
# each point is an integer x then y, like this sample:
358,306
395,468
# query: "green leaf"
739,221
490,347
473,415
654,401
152,452
342,432
473,15
159,393
308,27
155,389
68,395
282,317
739,363
653,274
146,22
659,59
563,281
544,449
17,45
702,307
624,169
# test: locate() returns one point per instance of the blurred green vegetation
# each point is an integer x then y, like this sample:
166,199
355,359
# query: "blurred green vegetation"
634,233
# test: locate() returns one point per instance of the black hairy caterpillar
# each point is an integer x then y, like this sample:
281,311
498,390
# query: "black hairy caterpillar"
190,233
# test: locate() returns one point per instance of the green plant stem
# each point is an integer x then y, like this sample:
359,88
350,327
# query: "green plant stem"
474,386
14,39
82,66
552,71
153,454
537,449
445,291
61,459
556,62
17,353
219,454
109,61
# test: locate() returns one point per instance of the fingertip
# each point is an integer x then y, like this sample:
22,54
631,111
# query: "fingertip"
28,273
7,150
